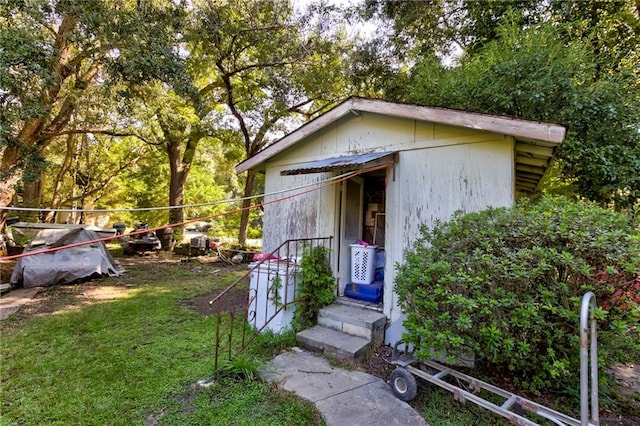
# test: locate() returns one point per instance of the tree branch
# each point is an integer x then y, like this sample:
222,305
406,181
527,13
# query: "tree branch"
210,87
226,78
102,184
261,65
96,131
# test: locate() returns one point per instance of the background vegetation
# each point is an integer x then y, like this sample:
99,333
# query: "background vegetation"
142,104
506,284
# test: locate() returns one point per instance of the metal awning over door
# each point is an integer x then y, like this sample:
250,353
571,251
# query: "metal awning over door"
344,163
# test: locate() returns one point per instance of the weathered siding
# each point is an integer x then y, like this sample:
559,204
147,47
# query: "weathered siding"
440,169
431,184
305,216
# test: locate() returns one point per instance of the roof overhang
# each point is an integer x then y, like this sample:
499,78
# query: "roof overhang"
345,163
531,162
535,141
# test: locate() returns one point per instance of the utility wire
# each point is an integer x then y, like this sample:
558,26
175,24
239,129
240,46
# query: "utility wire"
210,203
324,184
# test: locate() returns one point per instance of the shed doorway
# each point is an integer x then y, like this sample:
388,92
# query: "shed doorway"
361,205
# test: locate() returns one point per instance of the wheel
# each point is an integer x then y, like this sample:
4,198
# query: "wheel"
403,384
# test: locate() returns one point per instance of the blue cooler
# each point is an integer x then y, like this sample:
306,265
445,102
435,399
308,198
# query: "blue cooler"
367,292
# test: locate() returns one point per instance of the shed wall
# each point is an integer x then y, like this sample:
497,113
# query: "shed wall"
305,216
431,184
440,169
376,133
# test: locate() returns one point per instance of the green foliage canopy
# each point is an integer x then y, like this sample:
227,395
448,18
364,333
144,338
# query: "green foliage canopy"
507,283
534,74
53,52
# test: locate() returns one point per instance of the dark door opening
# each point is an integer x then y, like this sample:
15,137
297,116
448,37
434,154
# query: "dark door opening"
364,265
374,207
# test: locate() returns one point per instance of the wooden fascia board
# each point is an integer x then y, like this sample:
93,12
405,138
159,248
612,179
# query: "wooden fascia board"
547,132
292,138
519,128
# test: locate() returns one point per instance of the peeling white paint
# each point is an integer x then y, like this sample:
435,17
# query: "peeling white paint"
440,169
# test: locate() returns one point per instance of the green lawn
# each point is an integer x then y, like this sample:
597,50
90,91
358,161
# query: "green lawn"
130,351
131,357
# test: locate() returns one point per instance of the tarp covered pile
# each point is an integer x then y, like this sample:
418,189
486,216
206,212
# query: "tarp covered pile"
65,265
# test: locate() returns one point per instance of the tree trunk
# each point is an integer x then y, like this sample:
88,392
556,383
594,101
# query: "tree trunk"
176,184
32,195
56,198
244,217
8,178
7,193
179,171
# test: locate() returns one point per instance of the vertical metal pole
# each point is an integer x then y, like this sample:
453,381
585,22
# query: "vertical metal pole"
588,332
595,415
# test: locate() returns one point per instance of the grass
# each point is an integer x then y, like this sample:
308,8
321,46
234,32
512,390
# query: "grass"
135,357
132,360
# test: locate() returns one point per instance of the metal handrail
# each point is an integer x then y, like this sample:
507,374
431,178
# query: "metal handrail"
286,255
588,362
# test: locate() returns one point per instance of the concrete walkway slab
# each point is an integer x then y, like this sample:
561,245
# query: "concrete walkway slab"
342,396
370,405
12,301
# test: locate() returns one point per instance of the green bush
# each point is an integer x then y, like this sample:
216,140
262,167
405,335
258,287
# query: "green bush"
507,284
316,287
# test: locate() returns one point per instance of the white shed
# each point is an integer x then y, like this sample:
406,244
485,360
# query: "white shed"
417,165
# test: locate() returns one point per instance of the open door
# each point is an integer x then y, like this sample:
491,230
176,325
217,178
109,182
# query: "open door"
351,207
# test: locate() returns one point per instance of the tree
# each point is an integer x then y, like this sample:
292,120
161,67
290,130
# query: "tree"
53,53
181,125
269,66
421,29
252,61
536,75
83,172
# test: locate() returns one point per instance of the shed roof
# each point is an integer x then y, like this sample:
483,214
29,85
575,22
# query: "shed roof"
536,141
342,163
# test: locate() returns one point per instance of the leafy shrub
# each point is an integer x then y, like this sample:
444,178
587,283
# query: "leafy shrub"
316,287
507,284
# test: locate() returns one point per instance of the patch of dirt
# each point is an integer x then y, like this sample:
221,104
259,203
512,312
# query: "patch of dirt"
628,379
63,297
66,297
6,268
206,304
608,419
377,362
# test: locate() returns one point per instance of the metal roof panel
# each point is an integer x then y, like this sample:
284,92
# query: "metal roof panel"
344,163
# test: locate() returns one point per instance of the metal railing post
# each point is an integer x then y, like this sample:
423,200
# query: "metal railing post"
588,362
248,315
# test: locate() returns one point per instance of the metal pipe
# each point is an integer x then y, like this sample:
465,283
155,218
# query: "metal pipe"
588,362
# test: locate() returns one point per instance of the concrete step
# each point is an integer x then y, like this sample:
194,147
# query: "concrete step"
353,320
331,342
348,301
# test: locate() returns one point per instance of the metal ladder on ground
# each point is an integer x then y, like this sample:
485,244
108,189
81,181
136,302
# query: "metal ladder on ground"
404,386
